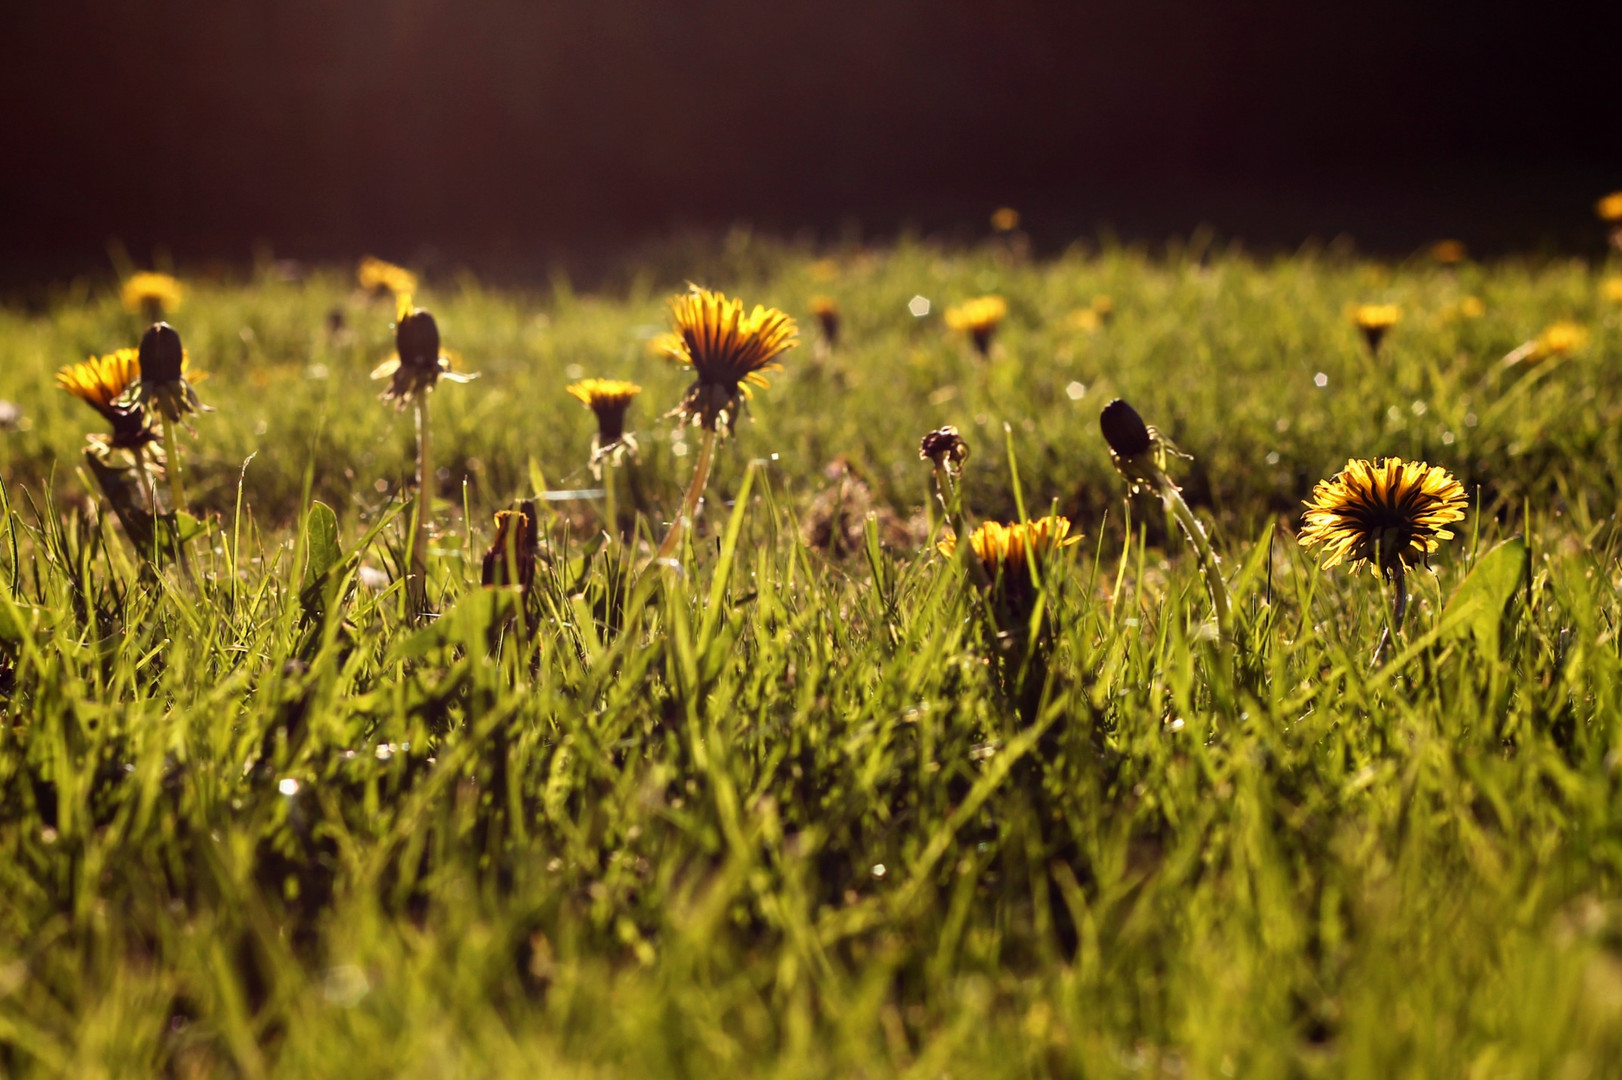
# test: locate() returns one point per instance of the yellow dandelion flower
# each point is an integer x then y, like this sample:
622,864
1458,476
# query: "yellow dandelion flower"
1375,321
1086,320
377,276
979,318
1390,513
1609,208
1556,342
1449,252
608,399
1009,549
1612,290
726,349
1471,307
418,362
1005,219
101,382
151,294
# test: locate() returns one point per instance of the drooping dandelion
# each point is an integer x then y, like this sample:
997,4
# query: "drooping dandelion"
413,371
826,309
728,350
1390,514
511,558
1375,321
1140,453
151,295
163,385
979,319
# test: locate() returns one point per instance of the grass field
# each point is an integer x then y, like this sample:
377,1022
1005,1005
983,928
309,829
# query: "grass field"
791,810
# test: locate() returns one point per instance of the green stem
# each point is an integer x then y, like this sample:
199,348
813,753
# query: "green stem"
1209,566
610,507
417,590
695,492
177,488
1399,609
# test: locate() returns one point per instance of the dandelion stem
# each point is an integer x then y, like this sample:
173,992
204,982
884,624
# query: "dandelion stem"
610,509
1210,568
177,488
1399,608
417,591
695,492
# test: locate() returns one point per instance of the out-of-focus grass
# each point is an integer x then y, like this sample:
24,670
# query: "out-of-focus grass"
778,813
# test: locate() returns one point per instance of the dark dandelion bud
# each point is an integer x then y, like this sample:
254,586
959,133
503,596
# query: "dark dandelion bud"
945,448
161,356
511,558
416,339
1124,429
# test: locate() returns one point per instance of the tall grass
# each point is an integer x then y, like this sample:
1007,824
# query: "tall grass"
782,812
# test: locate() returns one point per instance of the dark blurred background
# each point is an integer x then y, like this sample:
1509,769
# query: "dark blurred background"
518,132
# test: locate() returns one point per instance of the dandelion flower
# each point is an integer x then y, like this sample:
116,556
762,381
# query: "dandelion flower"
511,558
1005,219
1557,341
726,349
377,276
826,309
1609,208
151,294
979,318
101,382
608,399
1389,513
1375,321
1086,320
417,364
1612,290
1471,307
1008,550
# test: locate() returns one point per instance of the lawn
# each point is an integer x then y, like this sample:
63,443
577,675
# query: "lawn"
807,800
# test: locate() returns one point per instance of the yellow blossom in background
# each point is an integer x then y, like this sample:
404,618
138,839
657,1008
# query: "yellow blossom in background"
824,270
1612,290
608,399
1449,252
826,310
1375,321
1609,208
151,294
726,349
1086,320
1390,513
1471,307
979,318
378,276
1005,219
1559,339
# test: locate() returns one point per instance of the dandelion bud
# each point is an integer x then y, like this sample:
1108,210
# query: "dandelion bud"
945,448
161,356
511,558
416,339
1124,429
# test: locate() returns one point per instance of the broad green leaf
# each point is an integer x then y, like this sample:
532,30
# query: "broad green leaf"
321,544
1482,600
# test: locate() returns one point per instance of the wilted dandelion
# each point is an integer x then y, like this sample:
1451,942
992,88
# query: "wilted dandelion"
1390,514
1140,453
979,318
1556,341
415,369
826,309
726,349
151,295
1375,321
101,382
946,450
511,558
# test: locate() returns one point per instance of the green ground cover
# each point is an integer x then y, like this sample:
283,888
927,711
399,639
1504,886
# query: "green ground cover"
790,810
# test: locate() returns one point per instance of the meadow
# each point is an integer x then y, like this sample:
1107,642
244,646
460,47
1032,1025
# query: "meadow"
788,805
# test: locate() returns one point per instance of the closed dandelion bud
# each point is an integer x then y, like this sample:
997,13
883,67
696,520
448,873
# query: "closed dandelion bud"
161,355
944,448
1124,429
511,558
416,339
